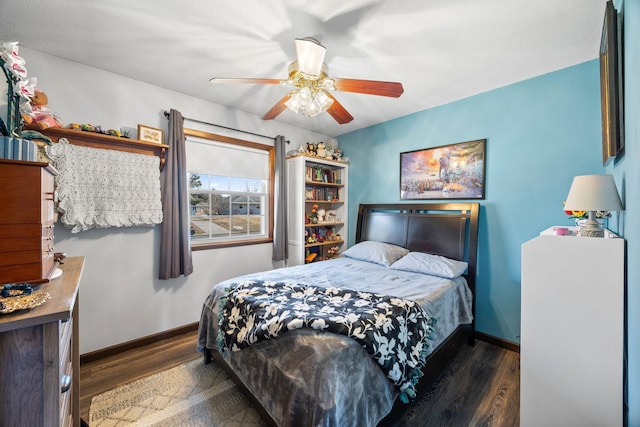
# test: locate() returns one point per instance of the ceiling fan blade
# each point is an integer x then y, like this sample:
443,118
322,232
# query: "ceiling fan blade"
310,55
276,109
250,81
338,112
369,87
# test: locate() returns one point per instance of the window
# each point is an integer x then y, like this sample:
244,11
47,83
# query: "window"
227,207
230,190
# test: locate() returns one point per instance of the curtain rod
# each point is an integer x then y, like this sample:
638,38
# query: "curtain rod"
166,114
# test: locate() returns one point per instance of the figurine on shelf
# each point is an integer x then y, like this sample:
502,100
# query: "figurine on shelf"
314,214
310,149
312,238
320,214
36,115
321,151
332,252
329,235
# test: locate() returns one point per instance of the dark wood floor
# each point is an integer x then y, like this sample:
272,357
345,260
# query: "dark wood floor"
481,387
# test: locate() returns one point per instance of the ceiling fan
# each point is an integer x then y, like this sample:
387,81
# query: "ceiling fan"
312,83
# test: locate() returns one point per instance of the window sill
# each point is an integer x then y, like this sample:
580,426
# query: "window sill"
229,244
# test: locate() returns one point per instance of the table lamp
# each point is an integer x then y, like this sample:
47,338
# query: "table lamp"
593,193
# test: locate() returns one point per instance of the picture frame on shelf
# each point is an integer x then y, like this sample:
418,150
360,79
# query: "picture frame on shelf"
455,171
611,84
149,134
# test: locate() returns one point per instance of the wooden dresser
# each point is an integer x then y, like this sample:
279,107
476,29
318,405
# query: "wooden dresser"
27,200
39,357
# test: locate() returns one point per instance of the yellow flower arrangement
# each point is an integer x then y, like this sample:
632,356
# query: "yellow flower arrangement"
585,214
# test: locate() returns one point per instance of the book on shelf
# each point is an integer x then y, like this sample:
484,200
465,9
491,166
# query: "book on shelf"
337,176
322,193
324,175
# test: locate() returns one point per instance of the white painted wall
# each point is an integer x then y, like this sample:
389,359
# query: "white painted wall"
121,298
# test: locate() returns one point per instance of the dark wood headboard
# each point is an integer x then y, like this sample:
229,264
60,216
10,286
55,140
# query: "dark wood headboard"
447,229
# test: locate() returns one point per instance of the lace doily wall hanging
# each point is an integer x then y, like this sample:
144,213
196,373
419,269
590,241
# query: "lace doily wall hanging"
100,188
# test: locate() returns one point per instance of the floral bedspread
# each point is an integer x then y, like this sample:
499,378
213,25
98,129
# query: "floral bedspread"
396,332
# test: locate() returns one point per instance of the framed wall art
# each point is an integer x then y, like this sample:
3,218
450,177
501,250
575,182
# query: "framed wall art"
455,171
149,134
611,86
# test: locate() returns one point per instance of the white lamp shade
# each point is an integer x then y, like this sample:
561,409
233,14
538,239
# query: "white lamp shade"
593,193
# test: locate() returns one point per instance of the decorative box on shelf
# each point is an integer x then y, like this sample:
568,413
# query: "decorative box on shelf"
18,149
27,219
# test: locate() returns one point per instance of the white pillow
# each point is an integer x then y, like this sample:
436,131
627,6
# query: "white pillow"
433,265
376,252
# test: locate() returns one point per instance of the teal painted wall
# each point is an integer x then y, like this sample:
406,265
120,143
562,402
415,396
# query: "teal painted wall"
540,134
627,174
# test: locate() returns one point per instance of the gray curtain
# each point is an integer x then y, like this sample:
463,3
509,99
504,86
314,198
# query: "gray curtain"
280,235
175,250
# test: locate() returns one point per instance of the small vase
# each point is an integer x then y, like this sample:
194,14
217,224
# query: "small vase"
580,222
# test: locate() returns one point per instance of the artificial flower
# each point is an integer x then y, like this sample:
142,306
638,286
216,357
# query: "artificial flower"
25,88
585,214
13,62
9,49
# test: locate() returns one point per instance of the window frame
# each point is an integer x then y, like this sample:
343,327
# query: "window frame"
270,149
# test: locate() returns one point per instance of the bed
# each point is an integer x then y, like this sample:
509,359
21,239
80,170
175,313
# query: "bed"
308,376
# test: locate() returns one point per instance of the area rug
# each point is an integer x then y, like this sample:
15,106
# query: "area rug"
191,394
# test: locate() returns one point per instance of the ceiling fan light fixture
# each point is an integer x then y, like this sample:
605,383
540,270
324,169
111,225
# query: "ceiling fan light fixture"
309,102
294,101
310,56
323,100
312,85
327,83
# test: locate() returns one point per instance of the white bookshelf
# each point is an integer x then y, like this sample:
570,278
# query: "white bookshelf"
329,192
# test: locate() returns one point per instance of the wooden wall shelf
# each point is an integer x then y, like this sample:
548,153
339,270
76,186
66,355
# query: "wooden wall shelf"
100,140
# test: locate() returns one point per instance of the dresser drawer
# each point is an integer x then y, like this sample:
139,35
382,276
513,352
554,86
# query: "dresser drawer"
66,371
20,243
26,266
20,230
66,336
49,197
26,252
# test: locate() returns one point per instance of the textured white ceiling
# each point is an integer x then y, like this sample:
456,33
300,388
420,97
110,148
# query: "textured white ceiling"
440,50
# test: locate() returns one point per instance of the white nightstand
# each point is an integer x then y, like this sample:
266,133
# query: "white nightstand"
572,331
